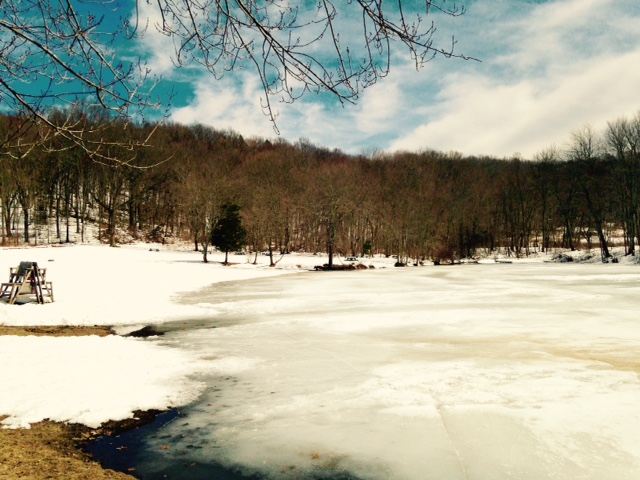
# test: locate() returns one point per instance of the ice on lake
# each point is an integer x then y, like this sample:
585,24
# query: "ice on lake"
522,371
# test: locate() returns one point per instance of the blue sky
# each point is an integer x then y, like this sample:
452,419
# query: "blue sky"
547,68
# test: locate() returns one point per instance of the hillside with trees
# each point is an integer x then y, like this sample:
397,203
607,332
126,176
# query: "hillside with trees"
299,197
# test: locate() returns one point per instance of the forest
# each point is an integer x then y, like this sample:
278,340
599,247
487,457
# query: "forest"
299,197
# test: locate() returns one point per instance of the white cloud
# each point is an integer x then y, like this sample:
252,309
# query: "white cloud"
236,102
544,88
479,117
547,68
156,47
379,103
232,102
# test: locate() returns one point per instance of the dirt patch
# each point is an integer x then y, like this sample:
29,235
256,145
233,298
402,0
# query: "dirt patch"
51,450
57,331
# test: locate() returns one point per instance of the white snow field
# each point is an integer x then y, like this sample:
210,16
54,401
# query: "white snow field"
90,380
526,370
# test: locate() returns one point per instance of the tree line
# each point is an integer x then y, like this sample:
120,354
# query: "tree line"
299,197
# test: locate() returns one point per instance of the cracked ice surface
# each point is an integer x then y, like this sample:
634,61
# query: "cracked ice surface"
524,371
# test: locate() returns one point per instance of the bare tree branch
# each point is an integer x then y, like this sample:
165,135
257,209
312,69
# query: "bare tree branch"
64,52
57,56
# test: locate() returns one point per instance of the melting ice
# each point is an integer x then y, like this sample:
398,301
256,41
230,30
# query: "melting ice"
526,371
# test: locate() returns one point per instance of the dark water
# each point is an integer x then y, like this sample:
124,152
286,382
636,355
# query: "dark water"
129,453
126,453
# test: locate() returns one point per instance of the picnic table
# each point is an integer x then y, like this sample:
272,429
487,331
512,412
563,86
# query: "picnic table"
27,282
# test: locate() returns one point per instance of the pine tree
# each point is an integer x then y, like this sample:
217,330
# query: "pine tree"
229,233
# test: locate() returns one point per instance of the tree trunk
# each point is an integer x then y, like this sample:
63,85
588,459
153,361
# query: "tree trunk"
604,248
205,251
271,262
331,231
58,209
111,226
7,221
26,225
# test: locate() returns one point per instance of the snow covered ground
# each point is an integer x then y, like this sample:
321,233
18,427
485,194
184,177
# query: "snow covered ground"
527,370
91,380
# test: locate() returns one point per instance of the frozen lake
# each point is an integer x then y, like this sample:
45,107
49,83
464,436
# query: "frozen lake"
519,371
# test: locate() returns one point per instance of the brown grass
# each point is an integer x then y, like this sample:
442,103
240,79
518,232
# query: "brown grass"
56,331
49,450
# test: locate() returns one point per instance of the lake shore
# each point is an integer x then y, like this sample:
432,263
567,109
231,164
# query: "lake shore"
507,349
39,442
50,450
56,331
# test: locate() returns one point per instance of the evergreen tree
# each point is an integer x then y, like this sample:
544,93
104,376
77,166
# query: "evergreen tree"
229,233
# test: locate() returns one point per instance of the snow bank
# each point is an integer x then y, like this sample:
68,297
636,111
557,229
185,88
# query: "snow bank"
98,285
90,380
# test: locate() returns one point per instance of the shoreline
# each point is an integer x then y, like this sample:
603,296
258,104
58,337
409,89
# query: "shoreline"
50,450
56,331
57,449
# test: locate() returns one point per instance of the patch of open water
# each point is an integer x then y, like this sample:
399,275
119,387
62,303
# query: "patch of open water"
127,453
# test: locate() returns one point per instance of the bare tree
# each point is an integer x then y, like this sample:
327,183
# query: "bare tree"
623,141
545,164
271,187
587,149
297,46
64,52
332,200
59,53
205,187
